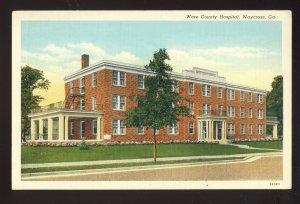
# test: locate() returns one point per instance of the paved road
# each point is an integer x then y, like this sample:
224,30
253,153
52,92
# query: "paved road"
265,168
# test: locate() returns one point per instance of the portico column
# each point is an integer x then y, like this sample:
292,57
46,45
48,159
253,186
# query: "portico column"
217,125
207,130
61,127
32,130
66,127
98,128
212,130
200,130
50,129
275,136
40,129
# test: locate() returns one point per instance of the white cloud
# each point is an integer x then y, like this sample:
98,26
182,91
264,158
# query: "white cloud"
41,57
127,57
57,50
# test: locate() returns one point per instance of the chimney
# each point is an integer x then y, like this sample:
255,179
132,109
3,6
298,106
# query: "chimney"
84,61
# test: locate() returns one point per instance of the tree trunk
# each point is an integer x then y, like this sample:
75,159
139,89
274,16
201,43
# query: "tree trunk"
154,145
24,129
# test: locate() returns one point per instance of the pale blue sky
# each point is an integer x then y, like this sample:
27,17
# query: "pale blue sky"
245,52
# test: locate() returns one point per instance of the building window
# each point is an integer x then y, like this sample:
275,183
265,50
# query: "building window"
230,94
82,85
94,127
191,107
259,114
250,112
242,112
259,98
175,86
249,129
191,88
119,127
250,97
205,108
118,102
206,90
82,128
242,95
71,87
72,128
204,128
230,111
230,129
94,79
140,130
118,78
219,108
191,127
140,81
173,128
220,92
82,104
94,103
242,130
260,129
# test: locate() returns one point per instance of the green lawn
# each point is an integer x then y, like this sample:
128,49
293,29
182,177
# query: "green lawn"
69,154
264,144
103,166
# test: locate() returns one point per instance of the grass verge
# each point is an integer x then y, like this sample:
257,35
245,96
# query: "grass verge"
264,144
104,166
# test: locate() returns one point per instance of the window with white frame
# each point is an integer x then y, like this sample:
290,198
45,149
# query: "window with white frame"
249,129
175,86
242,112
94,127
82,128
140,130
118,102
81,85
71,87
259,98
230,129
205,108
220,92
230,111
191,107
118,78
260,129
206,90
94,103
140,81
242,129
250,113
219,108
230,94
72,128
250,97
82,104
173,128
94,79
242,94
119,127
191,127
191,88
259,113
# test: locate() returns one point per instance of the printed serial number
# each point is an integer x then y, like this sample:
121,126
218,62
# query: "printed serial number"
274,184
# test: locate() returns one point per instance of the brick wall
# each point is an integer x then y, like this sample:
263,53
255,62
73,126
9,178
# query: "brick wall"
104,91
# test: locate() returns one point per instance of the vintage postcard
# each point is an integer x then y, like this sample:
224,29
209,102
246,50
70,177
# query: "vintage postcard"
151,100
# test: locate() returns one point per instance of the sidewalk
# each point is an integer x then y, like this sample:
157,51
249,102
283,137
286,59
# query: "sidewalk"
99,162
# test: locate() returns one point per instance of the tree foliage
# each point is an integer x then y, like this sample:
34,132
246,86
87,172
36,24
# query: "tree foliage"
160,105
275,101
31,79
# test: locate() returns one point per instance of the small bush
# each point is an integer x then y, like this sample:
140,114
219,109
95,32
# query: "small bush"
83,145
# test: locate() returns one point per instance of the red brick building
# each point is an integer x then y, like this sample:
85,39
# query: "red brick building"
96,97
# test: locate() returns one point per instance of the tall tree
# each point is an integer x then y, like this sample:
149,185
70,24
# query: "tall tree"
275,101
31,79
161,104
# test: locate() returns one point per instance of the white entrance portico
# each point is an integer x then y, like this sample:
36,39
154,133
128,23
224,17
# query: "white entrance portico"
212,128
53,125
273,121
